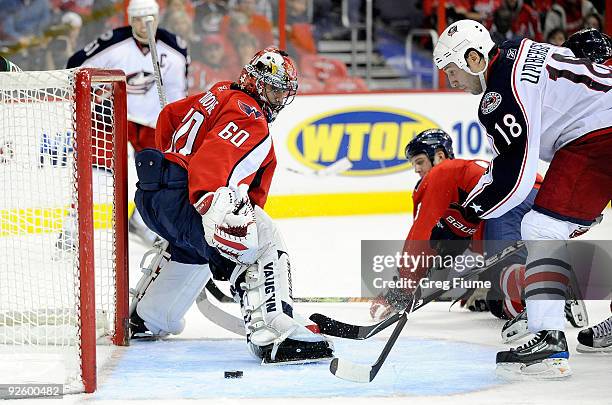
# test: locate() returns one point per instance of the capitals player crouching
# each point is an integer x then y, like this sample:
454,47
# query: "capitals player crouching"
205,196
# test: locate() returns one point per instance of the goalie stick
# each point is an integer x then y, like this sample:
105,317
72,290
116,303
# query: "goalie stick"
337,167
332,327
217,315
347,370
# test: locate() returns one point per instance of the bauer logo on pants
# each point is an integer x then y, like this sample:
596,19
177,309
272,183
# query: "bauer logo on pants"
373,139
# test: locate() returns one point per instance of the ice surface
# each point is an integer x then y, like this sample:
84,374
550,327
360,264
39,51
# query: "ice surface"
442,357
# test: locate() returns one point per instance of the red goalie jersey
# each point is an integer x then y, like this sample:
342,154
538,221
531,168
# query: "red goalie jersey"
221,138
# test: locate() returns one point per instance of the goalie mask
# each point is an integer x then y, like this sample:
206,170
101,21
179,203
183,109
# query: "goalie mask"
271,78
137,9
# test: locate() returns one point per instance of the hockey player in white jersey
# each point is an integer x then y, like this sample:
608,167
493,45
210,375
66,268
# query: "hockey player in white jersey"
539,102
127,48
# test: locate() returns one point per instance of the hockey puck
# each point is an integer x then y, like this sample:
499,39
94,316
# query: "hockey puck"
233,374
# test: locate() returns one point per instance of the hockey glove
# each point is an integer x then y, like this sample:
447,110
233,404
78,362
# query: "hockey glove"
394,300
229,224
458,224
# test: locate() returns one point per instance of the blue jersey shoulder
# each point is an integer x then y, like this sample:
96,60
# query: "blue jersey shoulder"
100,44
172,40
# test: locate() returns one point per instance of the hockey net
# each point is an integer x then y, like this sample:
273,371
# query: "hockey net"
63,226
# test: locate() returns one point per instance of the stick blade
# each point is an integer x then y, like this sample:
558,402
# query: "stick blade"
328,326
349,371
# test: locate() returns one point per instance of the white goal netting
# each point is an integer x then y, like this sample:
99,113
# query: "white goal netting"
40,227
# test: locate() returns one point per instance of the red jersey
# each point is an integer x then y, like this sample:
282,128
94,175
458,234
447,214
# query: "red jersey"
447,182
221,138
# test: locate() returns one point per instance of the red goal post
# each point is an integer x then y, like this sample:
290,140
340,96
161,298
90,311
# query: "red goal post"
83,93
63,223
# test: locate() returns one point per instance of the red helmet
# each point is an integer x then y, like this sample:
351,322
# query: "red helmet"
271,78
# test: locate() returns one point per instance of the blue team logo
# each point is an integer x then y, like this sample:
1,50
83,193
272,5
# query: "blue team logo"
452,31
372,138
139,82
249,110
490,102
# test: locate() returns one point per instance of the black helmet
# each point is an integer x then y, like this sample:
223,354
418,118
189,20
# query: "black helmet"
428,142
590,43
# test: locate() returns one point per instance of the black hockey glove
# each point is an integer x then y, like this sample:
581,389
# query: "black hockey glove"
399,298
458,224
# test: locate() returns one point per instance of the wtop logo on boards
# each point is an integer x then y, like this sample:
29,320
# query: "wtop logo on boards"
373,139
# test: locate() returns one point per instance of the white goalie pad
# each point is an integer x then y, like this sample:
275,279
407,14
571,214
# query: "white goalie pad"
170,295
267,302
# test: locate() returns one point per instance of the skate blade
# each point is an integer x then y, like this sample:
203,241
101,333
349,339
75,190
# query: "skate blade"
516,332
295,362
587,349
578,316
549,369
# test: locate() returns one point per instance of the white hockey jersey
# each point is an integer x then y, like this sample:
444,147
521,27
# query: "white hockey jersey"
118,49
539,97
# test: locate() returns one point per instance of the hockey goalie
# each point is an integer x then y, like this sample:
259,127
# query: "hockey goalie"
205,196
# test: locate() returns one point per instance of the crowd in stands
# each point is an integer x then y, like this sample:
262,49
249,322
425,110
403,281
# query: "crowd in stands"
223,34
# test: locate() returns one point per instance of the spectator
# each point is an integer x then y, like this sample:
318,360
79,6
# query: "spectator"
300,33
246,46
62,46
244,15
24,20
106,15
593,20
261,7
556,37
209,14
501,29
525,20
80,7
179,5
214,66
297,11
178,21
568,15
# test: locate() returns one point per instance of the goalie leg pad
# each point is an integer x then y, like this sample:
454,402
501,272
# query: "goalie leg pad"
274,332
171,294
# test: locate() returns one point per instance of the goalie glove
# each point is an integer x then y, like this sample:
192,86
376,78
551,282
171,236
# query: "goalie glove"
229,224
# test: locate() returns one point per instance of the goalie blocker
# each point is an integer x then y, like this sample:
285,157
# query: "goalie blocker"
275,334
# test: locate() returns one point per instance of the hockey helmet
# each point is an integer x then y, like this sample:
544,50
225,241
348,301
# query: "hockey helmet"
142,8
457,39
271,78
428,142
591,44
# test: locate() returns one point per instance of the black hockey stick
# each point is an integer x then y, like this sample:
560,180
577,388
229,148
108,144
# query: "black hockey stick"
217,293
347,370
332,327
350,371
